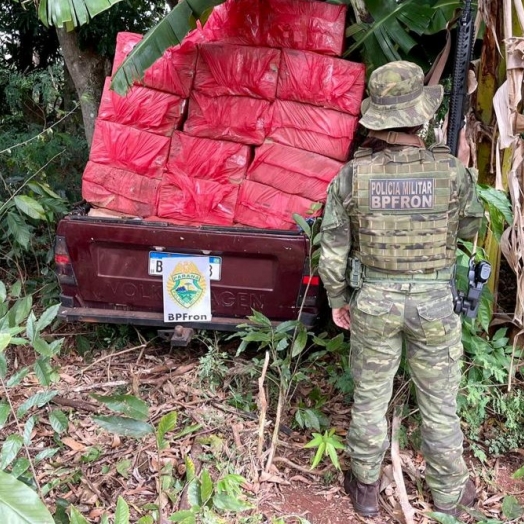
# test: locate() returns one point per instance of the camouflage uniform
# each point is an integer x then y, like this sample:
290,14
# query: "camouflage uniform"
405,298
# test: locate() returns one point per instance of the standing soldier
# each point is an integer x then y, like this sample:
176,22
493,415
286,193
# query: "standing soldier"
389,235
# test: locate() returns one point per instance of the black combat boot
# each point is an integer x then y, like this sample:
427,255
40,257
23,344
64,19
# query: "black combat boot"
363,496
467,500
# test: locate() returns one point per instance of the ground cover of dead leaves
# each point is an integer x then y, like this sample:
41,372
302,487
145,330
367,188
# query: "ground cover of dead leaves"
93,467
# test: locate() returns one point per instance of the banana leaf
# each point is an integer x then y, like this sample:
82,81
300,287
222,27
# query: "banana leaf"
169,32
387,37
69,14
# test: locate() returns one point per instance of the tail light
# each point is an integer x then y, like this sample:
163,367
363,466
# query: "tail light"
310,288
64,267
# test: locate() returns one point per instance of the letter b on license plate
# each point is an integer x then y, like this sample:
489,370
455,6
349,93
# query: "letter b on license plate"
156,265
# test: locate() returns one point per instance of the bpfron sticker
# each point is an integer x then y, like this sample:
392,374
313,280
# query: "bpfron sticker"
186,289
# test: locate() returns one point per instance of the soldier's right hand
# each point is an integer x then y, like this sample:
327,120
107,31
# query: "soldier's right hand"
341,317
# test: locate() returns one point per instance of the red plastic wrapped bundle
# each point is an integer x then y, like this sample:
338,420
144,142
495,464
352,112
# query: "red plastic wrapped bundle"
119,190
303,24
235,22
224,69
174,72
197,200
292,170
205,158
296,24
144,108
315,129
236,118
321,81
128,148
266,207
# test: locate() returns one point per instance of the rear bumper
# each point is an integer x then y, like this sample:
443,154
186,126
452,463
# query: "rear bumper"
144,318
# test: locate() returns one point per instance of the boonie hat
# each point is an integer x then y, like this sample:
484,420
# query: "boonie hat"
398,97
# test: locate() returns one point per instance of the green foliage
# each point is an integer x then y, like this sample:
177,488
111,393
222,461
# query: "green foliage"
136,16
519,473
309,415
212,499
212,368
493,416
392,30
326,445
498,207
512,511
63,14
40,164
20,325
131,425
19,504
292,349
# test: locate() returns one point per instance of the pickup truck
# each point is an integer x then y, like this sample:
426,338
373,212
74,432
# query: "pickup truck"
109,270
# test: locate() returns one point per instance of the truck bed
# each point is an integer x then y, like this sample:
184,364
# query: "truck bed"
103,270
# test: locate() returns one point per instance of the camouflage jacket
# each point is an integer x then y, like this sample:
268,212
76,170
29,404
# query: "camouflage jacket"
336,240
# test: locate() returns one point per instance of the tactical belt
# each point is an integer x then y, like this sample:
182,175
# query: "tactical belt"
374,275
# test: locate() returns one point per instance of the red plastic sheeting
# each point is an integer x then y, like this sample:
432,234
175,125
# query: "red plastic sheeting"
119,190
321,81
296,24
197,200
266,207
128,148
323,131
144,108
305,25
235,22
236,118
224,69
293,170
174,72
205,158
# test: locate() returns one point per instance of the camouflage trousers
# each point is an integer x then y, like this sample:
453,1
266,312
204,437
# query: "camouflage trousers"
384,318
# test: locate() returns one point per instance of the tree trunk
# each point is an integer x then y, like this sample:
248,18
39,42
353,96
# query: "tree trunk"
88,71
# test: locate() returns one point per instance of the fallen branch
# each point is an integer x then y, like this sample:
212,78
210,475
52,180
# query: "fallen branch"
111,355
407,508
287,462
262,406
76,404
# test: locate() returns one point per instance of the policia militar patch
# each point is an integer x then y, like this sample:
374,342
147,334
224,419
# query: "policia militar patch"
401,193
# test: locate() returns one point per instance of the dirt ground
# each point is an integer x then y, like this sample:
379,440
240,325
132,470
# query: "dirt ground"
87,469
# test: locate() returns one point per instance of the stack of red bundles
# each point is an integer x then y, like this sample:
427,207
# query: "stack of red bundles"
263,206
293,170
296,24
119,190
233,86
318,103
131,138
124,169
143,108
202,180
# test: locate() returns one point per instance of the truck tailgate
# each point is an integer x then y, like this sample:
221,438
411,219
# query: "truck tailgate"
260,269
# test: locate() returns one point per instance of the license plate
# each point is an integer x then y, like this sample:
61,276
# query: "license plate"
156,257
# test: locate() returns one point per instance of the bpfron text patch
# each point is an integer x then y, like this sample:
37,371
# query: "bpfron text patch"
402,193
